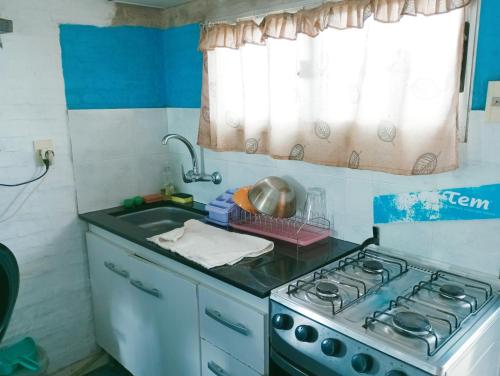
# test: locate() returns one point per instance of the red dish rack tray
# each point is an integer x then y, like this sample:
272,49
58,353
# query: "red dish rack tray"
294,230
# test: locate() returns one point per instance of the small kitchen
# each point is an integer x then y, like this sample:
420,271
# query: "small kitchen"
249,187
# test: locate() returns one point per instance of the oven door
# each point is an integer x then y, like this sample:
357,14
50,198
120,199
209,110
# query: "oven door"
280,366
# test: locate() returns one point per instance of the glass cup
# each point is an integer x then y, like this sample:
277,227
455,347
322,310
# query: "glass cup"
315,205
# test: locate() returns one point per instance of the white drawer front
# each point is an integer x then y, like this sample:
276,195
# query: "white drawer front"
216,362
233,327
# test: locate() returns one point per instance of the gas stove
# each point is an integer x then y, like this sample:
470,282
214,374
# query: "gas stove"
377,313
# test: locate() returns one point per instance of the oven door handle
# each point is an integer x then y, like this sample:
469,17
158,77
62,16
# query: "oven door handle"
285,365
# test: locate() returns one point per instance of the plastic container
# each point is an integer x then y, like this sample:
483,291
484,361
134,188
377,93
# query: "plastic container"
219,210
22,355
44,365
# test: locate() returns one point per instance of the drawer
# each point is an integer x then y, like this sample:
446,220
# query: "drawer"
215,362
233,327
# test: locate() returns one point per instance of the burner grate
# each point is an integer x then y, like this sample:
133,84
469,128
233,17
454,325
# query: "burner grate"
310,287
387,267
373,262
425,306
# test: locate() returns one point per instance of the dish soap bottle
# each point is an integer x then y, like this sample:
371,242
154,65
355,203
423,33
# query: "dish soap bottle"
168,187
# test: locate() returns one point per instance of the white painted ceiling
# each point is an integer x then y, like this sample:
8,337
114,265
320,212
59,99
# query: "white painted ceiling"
154,3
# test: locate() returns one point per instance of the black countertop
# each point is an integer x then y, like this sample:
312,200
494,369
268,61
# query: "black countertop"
257,275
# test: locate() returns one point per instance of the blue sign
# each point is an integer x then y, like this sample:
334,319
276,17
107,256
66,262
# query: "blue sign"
469,203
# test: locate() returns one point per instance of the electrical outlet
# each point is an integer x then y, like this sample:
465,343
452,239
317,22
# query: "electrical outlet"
42,147
493,102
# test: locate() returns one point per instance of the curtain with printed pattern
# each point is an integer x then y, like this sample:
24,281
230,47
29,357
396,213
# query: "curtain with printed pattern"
336,86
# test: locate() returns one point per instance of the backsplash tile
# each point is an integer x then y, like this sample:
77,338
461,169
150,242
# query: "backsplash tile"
116,154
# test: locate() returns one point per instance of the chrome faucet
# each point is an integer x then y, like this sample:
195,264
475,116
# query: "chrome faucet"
194,174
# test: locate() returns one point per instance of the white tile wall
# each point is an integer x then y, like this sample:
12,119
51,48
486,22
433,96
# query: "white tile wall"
117,154
475,244
46,236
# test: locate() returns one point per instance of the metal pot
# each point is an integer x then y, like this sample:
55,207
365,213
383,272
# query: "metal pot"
273,196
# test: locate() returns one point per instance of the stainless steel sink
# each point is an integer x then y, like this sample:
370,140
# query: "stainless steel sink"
161,219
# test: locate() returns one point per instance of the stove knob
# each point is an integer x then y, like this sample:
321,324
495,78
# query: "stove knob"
362,363
330,346
282,321
395,372
306,333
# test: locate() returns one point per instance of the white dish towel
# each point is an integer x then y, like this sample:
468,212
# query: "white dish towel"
210,246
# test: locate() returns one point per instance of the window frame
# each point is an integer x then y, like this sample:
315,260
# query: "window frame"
472,15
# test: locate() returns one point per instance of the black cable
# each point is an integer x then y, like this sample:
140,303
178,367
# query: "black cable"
46,162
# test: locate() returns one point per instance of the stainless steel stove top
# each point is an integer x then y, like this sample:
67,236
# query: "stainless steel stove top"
418,315
355,277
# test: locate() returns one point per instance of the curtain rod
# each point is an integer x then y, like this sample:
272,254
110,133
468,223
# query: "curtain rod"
292,7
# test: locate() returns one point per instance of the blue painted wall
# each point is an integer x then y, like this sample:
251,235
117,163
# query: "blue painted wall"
488,52
113,67
131,67
183,66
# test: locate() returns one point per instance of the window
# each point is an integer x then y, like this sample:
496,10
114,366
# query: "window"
370,94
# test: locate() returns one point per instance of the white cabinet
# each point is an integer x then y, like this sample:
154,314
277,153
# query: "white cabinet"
146,316
159,317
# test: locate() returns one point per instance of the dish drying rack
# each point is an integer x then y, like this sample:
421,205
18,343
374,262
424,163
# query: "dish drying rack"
296,230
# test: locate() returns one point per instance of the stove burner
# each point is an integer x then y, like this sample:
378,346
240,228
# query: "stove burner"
327,290
411,322
373,267
449,291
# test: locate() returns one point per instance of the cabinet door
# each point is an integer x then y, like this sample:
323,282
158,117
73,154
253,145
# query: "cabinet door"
146,316
111,295
165,326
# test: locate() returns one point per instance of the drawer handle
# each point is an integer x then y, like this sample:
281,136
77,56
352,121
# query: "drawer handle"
216,369
151,291
216,315
115,269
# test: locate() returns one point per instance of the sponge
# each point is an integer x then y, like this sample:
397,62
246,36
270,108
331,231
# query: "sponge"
134,201
181,198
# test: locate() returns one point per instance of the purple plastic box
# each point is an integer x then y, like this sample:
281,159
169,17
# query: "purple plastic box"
220,209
